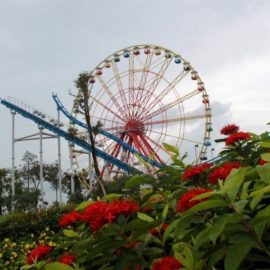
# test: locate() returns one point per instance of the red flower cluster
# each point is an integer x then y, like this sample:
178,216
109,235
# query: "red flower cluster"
161,229
236,137
100,213
67,259
166,263
38,254
69,219
186,202
222,172
229,129
195,171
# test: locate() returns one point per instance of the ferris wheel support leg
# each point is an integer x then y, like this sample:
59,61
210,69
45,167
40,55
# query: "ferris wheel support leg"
59,161
13,163
41,166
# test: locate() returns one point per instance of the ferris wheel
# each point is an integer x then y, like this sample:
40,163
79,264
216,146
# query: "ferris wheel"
147,95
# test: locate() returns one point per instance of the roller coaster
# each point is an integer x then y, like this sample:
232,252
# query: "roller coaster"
38,118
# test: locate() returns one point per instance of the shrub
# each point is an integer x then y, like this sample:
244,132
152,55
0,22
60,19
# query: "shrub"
222,223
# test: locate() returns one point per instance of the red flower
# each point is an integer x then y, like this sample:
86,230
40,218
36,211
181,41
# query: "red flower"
69,219
236,137
229,129
161,229
100,213
186,202
262,162
195,171
222,172
166,263
67,259
38,254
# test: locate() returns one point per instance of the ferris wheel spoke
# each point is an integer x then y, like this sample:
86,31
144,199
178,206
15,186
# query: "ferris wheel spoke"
131,78
171,105
137,144
104,120
159,147
177,119
177,137
105,107
118,128
156,81
145,72
167,90
152,152
119,84
106,88
107,139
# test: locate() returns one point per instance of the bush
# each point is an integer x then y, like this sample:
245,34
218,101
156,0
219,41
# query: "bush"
20,224
197,217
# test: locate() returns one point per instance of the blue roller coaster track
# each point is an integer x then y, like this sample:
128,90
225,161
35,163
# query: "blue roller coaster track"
60,132
125,146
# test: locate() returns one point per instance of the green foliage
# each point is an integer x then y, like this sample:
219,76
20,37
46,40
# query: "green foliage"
203,225
20,225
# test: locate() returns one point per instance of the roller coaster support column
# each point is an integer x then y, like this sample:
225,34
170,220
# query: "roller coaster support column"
13,163
41,166
59,160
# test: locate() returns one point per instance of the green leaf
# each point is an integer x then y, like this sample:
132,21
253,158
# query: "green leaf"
202,237
216,256
112,196
239,205
206,205
264,173
244,192
265,144
82,245
83,205
183,252
145,217
171,148
70,233
265,156
236,253
260,191
205,195
260,227
138,180
255,201
262,215
165,211
58,266
169,229
218,227
233,182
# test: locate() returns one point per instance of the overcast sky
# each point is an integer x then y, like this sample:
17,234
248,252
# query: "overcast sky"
45,44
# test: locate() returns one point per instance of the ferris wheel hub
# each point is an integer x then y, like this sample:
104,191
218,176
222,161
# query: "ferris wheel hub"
135,126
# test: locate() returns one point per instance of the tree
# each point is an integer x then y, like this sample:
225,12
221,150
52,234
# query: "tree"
51,176
83,104
30,170
3,176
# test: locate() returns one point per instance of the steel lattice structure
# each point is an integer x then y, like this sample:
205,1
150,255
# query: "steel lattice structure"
146,95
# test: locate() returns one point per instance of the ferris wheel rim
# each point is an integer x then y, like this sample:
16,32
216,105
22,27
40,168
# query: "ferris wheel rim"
151,46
